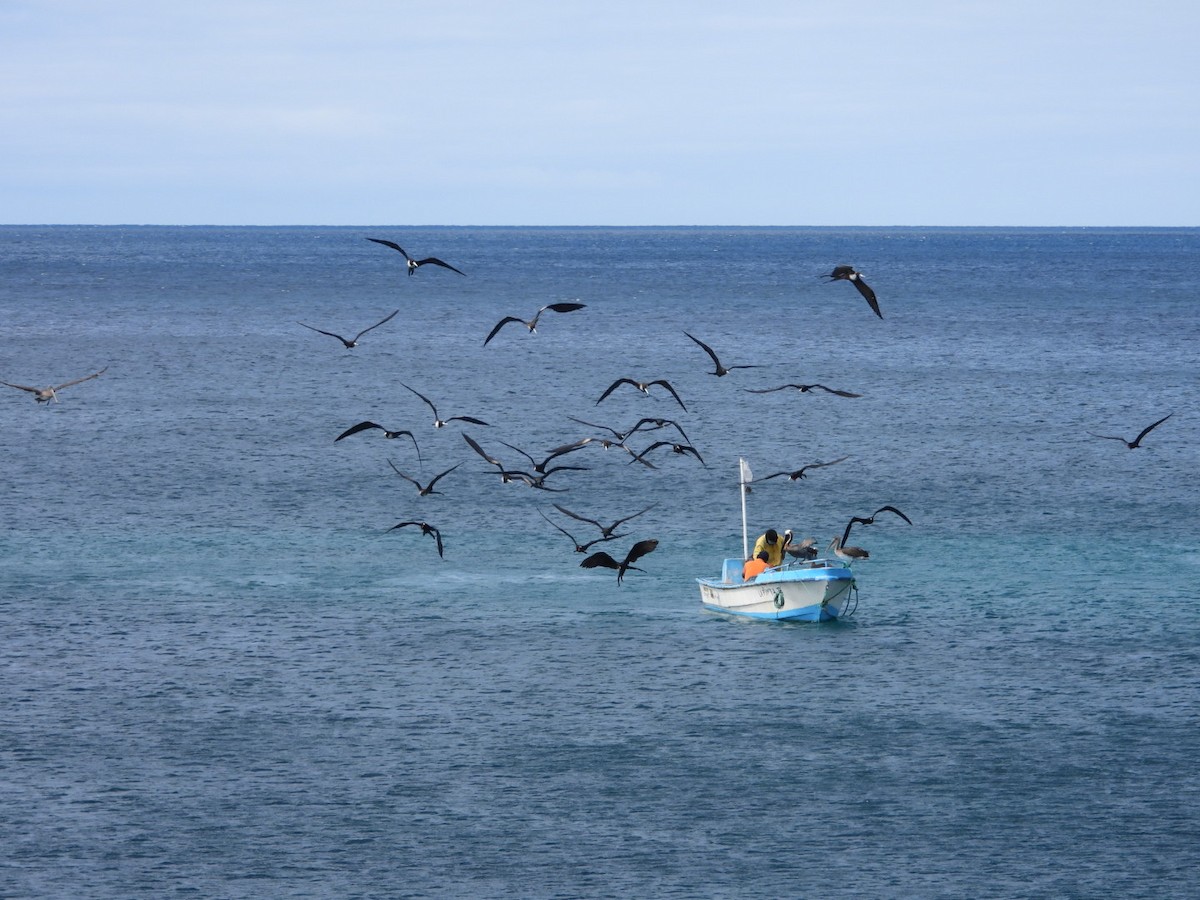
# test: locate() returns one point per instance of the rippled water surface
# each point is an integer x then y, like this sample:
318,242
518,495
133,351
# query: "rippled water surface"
224,676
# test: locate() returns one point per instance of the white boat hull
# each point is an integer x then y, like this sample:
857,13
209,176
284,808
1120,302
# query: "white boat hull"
816,591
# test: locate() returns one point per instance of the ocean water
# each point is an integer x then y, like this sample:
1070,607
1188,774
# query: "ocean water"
225,676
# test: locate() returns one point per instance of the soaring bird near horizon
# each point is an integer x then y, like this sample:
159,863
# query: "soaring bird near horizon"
364,426
644,387
531,324
847,273
636,552
797,474
438,421
46,394
1137,441
426,528
870,520
425,490
720,369
802,388
352,342
414,264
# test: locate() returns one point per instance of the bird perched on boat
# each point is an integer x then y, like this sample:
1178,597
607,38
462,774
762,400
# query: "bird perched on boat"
391,435
848,554
46,394
721,370
608,530
532,323
644,387
425,490
352,342
1137,441
438,421
797,474
426,528
848,273
870,520
806,549
636,552
414,264
580,548
681,449
802,388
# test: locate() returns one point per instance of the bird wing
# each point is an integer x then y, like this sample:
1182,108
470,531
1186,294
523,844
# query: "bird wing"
867,293
355,429
438,537
402,524
613,431
829,390
319,331
407,478
105,369
560,528
612,387
376,325
634,516
667,385
522,452
567,512
437,262
891,509
655,445
444,474
22,387
560,308
500,325
600,558
820,465
841,272
769,477
661,423
391,244
1109,437
1137,440
474,446
707,349
640,549
769,390
688,448
851,523
423,397
470,419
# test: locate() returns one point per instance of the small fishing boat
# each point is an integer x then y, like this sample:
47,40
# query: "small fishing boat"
810,590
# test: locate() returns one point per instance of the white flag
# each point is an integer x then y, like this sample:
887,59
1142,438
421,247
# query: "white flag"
747,475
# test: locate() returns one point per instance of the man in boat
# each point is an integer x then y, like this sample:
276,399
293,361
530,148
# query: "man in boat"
755,565
774,545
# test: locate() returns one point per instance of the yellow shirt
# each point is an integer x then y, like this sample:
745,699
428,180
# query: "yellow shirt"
774,551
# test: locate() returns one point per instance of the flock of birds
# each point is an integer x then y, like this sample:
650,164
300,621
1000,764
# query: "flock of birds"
539,471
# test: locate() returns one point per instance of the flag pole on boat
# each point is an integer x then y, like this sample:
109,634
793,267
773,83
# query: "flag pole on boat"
745,476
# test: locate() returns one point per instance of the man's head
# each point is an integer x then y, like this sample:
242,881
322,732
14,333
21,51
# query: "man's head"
772,535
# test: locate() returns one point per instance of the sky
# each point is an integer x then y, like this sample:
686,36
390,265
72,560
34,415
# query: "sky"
576,112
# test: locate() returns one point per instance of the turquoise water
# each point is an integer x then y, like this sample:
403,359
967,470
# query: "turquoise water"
224,675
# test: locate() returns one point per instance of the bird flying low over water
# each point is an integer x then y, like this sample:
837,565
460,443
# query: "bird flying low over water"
607,531
46,394
414,264
510,475
426,528
644,387
365,426
870,520
802,388
847,273
675,448
352,342
636,552
1137,441
797,474
580,548
532,323
720,369
425,490
438,421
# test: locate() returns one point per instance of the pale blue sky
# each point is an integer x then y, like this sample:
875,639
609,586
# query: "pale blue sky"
554,112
